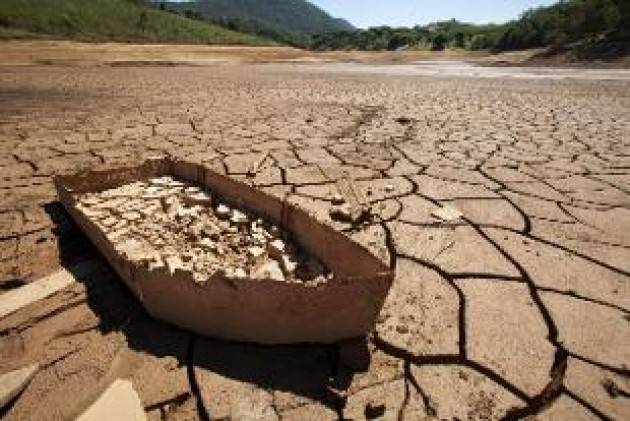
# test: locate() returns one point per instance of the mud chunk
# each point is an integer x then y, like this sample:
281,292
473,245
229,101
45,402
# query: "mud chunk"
174,263
338,199
223,212
131,216
270,270
239,218
12,383
201,197
238,273
288,263
258,238
208,244
136,250
342,212
211,231
276,249
174,210
109,221
119,402
255,252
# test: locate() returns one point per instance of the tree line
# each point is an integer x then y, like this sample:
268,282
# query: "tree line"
563,23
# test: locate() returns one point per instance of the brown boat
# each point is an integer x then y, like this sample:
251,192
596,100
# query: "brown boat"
339,298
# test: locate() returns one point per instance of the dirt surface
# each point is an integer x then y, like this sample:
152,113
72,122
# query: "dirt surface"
520,308
116,54
69,53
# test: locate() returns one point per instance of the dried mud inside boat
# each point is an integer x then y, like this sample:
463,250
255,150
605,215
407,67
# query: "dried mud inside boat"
216,256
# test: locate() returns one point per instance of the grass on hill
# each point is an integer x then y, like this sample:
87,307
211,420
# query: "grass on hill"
297,16
109,20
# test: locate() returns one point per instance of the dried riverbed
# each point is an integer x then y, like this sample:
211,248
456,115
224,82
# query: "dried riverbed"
520,307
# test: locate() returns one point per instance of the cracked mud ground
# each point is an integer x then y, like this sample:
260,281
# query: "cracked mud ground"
520,309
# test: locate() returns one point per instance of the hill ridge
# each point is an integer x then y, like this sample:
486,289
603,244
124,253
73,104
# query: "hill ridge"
297,16
110,20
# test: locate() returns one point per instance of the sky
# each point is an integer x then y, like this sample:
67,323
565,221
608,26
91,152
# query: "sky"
366,13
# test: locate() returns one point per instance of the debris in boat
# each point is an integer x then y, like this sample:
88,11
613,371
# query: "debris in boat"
223,212
160,223
276,249
270,270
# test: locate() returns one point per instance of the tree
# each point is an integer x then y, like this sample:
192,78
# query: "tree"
565,22
623,10
458,40
438,43
142,21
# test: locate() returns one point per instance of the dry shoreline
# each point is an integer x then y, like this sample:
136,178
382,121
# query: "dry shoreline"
120,54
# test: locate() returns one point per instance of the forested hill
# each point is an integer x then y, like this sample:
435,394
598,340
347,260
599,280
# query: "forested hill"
286,21
109,20
299,16
586,26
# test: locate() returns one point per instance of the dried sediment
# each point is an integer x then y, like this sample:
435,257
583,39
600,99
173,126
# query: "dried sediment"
539,167
167,223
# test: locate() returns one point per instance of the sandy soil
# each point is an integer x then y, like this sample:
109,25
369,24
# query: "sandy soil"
116,54
521,308
74,53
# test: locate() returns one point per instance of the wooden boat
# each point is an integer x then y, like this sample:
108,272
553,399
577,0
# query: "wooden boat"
233,307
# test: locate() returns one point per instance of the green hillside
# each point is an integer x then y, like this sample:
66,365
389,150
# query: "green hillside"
298,16
109,20
585,28
286,21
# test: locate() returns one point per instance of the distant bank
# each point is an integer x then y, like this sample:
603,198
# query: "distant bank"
570,30
583,32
